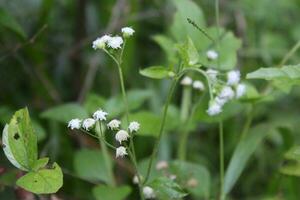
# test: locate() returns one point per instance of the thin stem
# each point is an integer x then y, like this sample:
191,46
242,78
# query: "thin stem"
247,123
100,138
123,93
105,153
221,136
162,125
290,54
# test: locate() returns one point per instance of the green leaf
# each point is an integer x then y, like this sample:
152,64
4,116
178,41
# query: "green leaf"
242,153
89,164
157,72
7,21
289,73
40,163
102,192
168,46
293,154
66,112
187,172
166,188
44,181
188,53
94,102
292,167
20,141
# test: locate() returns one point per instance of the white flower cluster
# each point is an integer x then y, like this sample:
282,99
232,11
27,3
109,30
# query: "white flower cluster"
188,81
114,42
114,125
149,192
225,92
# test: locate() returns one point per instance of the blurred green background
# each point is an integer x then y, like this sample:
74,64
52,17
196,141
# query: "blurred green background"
46,60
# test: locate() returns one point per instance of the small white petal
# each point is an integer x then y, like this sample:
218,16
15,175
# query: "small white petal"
212,74
88,123
226,93
233,77
148,192
114,124
121,136
74,124
214,109
212,55
121,152
198,85
134,126
100,115
115,42
186,81
240,90
127,31
100,43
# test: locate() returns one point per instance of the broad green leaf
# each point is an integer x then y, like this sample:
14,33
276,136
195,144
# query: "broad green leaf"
289,73
136,98
157,72
167,189
293,154
242,153
8,21
194,177
180,27
66,112
40,163
188,53
20,141
292,167
89,164
168,46
43,181
94,102
103,192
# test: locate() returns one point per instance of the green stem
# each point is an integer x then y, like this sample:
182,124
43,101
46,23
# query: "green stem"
290,54
123,93
221,136
100,138
106,156
184,115
162,125
247,123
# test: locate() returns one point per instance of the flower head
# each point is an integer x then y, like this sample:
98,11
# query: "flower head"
134,126
100,43
114,124
121,152
233,77
214,109
186,81
122,136
148,192
198,85
100,115
220,101
240,90
212,54
127,31
212,74
74,124
115,42
88,123
226,93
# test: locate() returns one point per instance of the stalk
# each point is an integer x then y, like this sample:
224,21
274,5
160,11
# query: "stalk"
107,159
221,136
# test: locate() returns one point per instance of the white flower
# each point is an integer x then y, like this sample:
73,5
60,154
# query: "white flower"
127,31
148,192
212,54
198,85
226,93
212,74
186,81
100,43
74,124
220,101
233,77
214,109
172,176
115,42
162,165
88,123
135,179
121,152
100,115
134,126
121,136
240,90
114,124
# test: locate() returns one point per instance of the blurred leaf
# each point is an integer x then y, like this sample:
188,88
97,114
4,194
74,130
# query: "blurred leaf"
89,164
168,46
193,177
188,53
65,112
44,181
293,154
7,21
143,167
292,167
103,192
20,141
167,189
251,95
156,72
5,113
291,72
242,153
39,130
94,102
